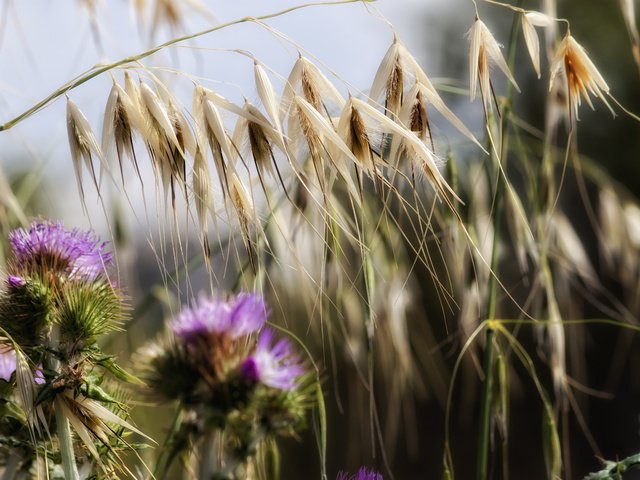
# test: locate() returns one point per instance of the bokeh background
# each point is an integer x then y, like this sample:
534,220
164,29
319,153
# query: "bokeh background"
44,44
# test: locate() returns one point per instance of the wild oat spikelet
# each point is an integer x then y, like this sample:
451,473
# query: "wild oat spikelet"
389,79
178,154
163,127
414,114
267,95
353,132
529,21
307,79
211,125
323,141
241,201
261,136
580,74
484,49
201,186
83,144
121,118
398,64
425,160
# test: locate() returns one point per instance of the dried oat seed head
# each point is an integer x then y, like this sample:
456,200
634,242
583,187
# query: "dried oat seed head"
322,138
353,133
529,21
121,119
484,50
307,80
83,144
572,63
389,79
267,95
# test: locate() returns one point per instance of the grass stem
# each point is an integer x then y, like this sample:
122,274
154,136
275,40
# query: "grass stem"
484,436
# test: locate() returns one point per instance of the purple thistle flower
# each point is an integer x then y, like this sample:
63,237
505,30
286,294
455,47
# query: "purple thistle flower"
7,363
241,315
363,474
248,314
15,282
49,245
275,366
207,315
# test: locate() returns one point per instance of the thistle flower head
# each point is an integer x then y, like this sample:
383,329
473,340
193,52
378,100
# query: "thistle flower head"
49,246
241,315
579,72
363,474
273,365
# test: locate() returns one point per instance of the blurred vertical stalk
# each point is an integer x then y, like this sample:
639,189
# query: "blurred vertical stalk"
484,436
65,442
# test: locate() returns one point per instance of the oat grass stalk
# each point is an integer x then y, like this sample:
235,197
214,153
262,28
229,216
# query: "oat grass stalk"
102,68
484,438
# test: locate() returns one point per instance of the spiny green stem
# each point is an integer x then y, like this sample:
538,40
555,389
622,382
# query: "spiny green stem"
100,69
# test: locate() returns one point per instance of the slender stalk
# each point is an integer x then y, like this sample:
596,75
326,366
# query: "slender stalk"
63,429
100,69
485,409
484,435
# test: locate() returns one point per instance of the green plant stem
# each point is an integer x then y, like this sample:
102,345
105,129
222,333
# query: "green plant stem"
485,409
100,69
484,435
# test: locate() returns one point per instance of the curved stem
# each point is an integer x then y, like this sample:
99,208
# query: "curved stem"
100,69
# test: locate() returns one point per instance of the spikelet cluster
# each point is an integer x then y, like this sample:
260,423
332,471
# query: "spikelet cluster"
311,138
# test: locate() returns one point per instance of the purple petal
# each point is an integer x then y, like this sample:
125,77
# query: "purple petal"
15,282
276,366
48,245
248,315
207,315
7,363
